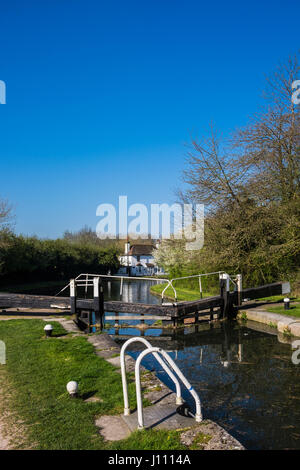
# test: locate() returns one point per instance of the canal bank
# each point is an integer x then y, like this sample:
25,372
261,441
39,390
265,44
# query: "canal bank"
112,428
241,370
285,324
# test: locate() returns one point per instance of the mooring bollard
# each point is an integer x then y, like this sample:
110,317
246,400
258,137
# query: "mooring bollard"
72,388
286,302
48,330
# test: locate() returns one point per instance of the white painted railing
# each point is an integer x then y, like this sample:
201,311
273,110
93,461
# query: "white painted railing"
179,400
199,276
156,353
86,280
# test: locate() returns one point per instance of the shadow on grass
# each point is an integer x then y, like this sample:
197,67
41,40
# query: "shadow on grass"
85,396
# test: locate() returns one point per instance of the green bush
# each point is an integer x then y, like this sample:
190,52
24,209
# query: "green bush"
30,259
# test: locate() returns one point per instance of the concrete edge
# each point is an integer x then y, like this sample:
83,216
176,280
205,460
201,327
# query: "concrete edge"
286,325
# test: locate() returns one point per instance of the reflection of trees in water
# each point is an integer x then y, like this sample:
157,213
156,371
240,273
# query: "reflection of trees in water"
248,383
132,291
245,378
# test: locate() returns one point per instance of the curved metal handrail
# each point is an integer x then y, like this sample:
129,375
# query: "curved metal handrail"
179,400
198,416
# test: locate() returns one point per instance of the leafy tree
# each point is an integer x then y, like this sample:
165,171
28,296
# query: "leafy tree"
250,185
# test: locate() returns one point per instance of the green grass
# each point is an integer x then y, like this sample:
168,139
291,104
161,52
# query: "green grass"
183,293
279,298
243,316
200,441
38,370
35,377
152,440
294,310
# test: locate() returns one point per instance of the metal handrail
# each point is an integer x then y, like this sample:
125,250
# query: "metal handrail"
156,353
88,282
170,282
198,416
179,400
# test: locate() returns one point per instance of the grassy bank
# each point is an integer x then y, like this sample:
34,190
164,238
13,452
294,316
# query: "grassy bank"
294,310
34,382
183,293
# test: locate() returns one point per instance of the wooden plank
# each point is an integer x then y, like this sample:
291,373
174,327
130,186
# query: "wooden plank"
136,317
196,315
149,338
276,288
31,301
179,310
185,308
146,309
8,300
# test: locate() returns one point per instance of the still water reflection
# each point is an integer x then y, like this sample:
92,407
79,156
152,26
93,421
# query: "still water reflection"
246,381
244,375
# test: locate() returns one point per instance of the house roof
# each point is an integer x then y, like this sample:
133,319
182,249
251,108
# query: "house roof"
141,250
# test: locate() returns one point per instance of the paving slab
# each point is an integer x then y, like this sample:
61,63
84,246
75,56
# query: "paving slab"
161,417
103,341
112,428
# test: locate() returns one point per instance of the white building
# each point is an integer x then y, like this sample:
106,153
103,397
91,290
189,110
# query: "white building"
138,260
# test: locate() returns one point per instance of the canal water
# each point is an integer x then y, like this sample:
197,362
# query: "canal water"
243,374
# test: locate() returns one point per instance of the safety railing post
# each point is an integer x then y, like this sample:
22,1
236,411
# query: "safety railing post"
179,400
198,416
224,293
200,287
73,296
239,280
98,300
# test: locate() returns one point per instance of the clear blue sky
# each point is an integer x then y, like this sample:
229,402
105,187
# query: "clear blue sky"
102,96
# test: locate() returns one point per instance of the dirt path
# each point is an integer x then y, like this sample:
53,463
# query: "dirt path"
4,441
12,429
4,438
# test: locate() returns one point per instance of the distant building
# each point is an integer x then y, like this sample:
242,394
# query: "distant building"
138,260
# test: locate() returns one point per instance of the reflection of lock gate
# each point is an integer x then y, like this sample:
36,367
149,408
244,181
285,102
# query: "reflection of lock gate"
2,352
165,362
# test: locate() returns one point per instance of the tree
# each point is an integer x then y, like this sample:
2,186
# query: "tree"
212,173
250,185
270,144
5,228
5,215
